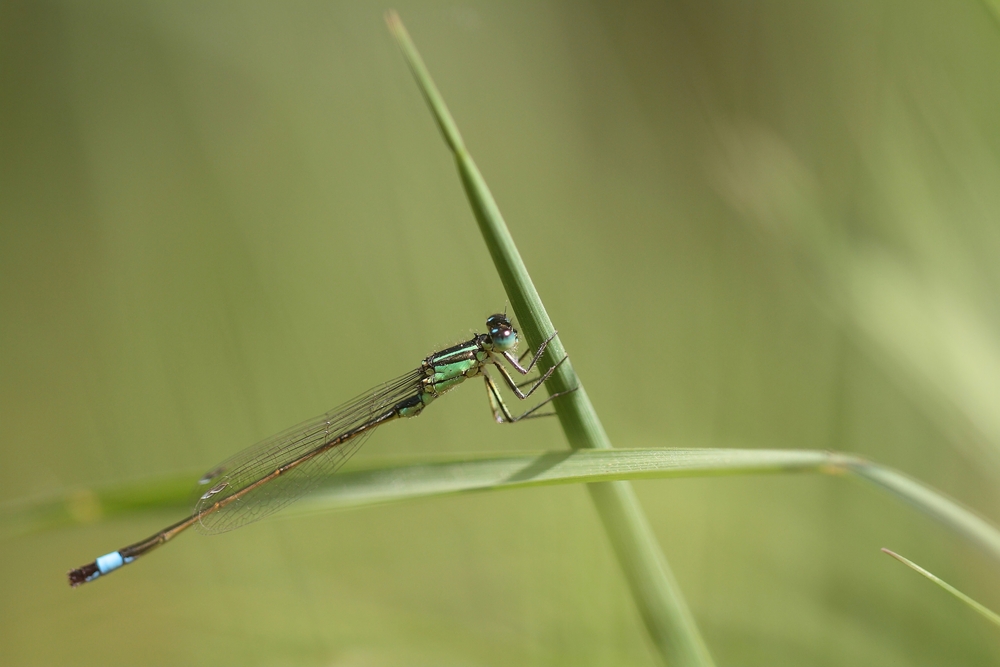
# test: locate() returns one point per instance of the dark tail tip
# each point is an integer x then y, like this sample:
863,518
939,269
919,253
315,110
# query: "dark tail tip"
82,575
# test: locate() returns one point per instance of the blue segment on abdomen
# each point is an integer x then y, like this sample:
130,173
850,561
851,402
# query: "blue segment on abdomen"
110,562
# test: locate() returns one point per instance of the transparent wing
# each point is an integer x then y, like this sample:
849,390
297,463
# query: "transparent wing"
233,494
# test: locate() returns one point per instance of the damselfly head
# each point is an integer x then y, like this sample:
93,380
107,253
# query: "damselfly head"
502,333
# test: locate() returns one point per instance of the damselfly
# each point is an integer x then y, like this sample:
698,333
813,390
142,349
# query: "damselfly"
266,477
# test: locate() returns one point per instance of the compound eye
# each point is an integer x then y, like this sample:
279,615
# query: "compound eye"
503,338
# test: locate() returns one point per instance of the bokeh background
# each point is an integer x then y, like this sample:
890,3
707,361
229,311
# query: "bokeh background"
756,224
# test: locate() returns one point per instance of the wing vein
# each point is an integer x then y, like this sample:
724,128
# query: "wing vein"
230,498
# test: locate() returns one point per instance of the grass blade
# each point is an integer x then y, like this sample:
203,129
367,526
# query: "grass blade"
79,506
985,611
399,480
665,612
929,501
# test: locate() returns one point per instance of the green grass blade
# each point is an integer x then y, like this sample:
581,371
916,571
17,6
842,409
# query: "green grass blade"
930,502
86,505
449,476
400,480
985,611
664,611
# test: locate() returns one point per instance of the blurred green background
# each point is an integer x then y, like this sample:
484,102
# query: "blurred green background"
767,224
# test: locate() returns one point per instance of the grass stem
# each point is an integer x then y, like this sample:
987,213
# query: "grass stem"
668,619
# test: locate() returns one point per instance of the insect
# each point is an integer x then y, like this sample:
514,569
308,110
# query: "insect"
264,478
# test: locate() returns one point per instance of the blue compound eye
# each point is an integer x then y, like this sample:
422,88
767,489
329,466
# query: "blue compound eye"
503,339
502,333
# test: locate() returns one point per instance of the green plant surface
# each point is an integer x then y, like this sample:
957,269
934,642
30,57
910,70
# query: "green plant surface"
438,476
656,591
756,226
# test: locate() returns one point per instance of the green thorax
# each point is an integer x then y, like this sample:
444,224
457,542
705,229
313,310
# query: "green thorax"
449,368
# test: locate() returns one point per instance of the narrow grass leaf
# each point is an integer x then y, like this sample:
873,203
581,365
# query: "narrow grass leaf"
985,611
399,480
83,505
929,501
